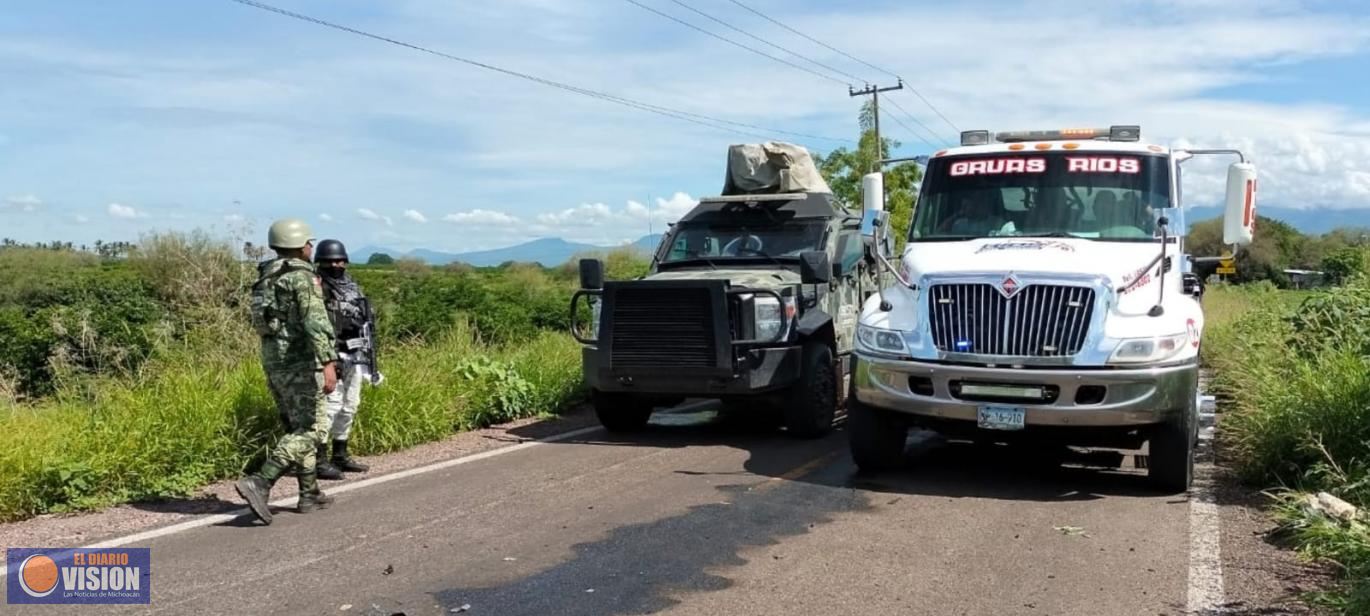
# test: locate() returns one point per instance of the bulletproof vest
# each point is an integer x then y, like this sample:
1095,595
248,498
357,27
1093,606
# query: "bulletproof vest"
344,301
268,319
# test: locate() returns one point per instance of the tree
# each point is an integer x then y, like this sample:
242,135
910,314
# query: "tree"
842,170
380,258
1344,264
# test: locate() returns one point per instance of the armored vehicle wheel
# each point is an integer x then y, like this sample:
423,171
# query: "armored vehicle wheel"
1171,461
811,403
620,412
876,437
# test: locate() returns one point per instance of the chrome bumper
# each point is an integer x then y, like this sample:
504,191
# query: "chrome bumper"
1132,397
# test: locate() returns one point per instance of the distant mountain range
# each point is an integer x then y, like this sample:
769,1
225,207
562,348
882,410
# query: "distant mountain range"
548,251
1310,221
551,251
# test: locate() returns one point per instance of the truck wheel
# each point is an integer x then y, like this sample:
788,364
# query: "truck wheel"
1171,449
620,412
876,437
812,402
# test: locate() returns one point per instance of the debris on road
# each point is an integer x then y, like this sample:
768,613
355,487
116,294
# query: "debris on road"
463,608
1072,531
388,570
1331,506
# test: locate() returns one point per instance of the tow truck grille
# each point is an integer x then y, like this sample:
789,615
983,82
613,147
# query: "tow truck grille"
662,328
1037,321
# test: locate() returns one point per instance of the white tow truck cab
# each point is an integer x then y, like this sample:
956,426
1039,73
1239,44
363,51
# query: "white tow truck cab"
1044,294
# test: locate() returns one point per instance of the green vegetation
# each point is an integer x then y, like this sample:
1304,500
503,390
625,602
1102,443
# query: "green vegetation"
1292,374
127,378
1278,247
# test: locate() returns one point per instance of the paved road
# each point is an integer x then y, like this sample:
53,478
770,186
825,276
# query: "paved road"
702,516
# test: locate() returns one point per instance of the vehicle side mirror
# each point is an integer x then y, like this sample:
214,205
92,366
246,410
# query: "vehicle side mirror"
815,267
1239,213
591,274
875,231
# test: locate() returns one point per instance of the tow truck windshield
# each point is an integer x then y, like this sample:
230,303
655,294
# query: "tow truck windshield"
762,240
1108,196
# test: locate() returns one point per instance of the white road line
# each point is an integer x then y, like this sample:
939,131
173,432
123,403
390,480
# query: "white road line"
1205,534
348,487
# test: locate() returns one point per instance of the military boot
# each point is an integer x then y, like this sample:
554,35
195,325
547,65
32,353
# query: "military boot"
256,488
325,469
345,462
311,497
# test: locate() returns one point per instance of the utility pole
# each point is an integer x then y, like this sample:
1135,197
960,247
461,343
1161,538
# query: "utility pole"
874,92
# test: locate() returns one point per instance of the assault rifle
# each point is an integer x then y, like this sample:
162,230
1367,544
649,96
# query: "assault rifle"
366,343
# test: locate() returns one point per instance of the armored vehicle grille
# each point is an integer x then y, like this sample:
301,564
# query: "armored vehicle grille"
663,328
1037,321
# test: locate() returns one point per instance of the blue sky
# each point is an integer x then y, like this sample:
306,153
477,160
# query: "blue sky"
121,118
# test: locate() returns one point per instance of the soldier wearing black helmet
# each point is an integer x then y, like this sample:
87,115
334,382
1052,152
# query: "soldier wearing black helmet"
354,327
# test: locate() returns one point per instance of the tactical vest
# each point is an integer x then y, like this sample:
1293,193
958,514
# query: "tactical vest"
343,299
267,317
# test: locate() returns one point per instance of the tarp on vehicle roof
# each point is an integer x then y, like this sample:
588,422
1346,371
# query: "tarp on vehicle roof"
771,167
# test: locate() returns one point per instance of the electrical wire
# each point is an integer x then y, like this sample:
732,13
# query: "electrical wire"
696,118
849,56
734,43
796,54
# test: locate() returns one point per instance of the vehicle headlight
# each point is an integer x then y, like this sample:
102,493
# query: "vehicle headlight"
879,340
773,317
1145,350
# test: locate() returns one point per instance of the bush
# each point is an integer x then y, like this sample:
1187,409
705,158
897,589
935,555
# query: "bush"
203,415
1295,383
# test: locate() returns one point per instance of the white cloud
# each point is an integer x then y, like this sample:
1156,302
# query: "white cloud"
26,203
80,219
118,210
368,214
601,224
482,218
415,216
233,218
326,217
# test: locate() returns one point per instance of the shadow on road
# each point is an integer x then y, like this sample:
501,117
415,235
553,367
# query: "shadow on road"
642,568
932,466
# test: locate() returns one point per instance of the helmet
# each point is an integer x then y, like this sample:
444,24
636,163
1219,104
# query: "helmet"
330,250
289,233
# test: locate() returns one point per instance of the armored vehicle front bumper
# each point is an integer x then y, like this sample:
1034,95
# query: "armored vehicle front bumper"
757,371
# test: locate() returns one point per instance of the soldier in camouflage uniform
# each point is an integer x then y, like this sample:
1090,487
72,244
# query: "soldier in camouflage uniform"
299,359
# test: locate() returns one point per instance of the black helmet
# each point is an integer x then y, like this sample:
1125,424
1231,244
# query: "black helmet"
330,250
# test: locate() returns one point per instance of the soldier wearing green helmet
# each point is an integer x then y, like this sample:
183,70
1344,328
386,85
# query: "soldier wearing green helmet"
299,359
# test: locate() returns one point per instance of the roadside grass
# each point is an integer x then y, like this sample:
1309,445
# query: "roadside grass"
1291,372
461,350
206,416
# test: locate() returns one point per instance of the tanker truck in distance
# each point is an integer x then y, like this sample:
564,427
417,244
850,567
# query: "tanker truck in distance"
1044,294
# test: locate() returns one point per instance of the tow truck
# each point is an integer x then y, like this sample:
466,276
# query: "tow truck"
1043,295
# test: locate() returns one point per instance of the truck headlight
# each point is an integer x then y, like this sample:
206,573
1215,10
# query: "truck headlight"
1148,350
882,341
773,317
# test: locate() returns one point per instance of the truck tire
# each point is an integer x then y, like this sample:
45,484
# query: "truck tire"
620,412
812,402
876,437
1171,453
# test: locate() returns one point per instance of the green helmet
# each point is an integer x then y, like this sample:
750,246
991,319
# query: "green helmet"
289,233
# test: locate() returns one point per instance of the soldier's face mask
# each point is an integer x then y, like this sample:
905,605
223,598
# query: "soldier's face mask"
332,271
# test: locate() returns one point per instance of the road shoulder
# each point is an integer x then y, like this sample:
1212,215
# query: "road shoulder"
85,528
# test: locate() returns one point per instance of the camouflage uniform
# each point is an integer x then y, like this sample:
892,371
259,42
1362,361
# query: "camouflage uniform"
293,359
293,362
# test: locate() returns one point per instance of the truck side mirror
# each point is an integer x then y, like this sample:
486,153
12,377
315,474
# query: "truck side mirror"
1239,213
875,232
815,267
591,274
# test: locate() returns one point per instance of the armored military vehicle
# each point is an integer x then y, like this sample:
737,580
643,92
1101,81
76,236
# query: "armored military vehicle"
751,299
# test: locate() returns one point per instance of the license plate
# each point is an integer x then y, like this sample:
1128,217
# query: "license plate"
1001,418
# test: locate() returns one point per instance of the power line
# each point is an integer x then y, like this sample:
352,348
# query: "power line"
696,118
922,136
757,38
734,43
859,60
